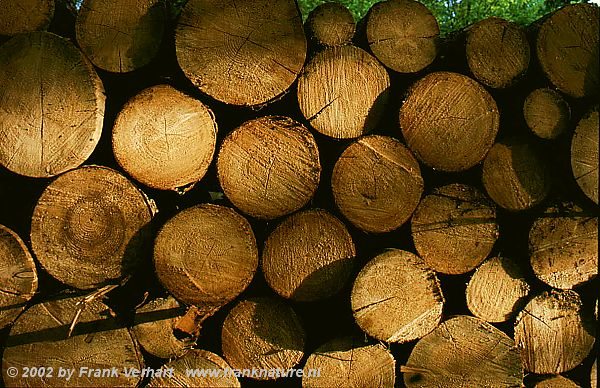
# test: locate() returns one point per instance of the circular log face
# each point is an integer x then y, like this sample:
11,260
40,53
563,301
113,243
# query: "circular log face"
546,113
584,154
309,256
164,139
120,36
464,352
343,362
377,183
449,121
552,333
20,16
567,48
331,24
18,276
396,298
557,382
52,105
206,255
269,167
454,229
402,34
39,339
241,52
343,91
90,226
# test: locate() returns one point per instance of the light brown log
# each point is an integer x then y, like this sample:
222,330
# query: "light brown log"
262,333
546,113
397,298
344,362
90,227
377,183
594,374
342,92
18,276
556,382
449,121
563,248
176,373
454,229
567,49
309,256
165,139
553,334
269,167
464,352
120,36
331,24
39,339
402,34
206,255
21,16
584,154
497,290
515,176
497,52
52,105
241,52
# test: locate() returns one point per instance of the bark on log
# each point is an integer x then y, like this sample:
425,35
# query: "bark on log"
397,298
309,256
21,16
330,24
165,139
242,52
546,113
584,154
269,167
90,227
449,121
52,105
454,229
377,183
557,382
342,92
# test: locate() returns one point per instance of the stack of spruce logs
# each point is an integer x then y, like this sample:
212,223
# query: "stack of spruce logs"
230,188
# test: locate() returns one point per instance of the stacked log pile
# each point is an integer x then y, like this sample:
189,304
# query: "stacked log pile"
230,189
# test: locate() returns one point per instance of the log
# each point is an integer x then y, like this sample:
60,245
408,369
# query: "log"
497,52
553,334
449,121
397,298
454,229
546,113
90,227
342,92
377,184
18,276
165,139
557,382
464,352
309,256
22,16
241,52
206,256
515,176
269,167
497,290
330,24
402,34
342,362
584,154
265,334
563,248
55,125
594,374
567,49
177,372
38,339
120,36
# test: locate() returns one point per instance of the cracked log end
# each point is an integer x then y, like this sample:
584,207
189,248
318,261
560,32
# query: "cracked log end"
331,24
21,16
584,154
546,113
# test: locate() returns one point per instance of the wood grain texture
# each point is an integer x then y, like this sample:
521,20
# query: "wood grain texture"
269,167
557,382
397,298
56,124
449,121
90,227
546,113
330,24
377,183
584,154
21,16
309,256
342,92
241,52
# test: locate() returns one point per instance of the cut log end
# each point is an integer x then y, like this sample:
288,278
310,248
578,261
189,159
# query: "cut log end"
546,113
557,382
584,154
21,16
331,24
